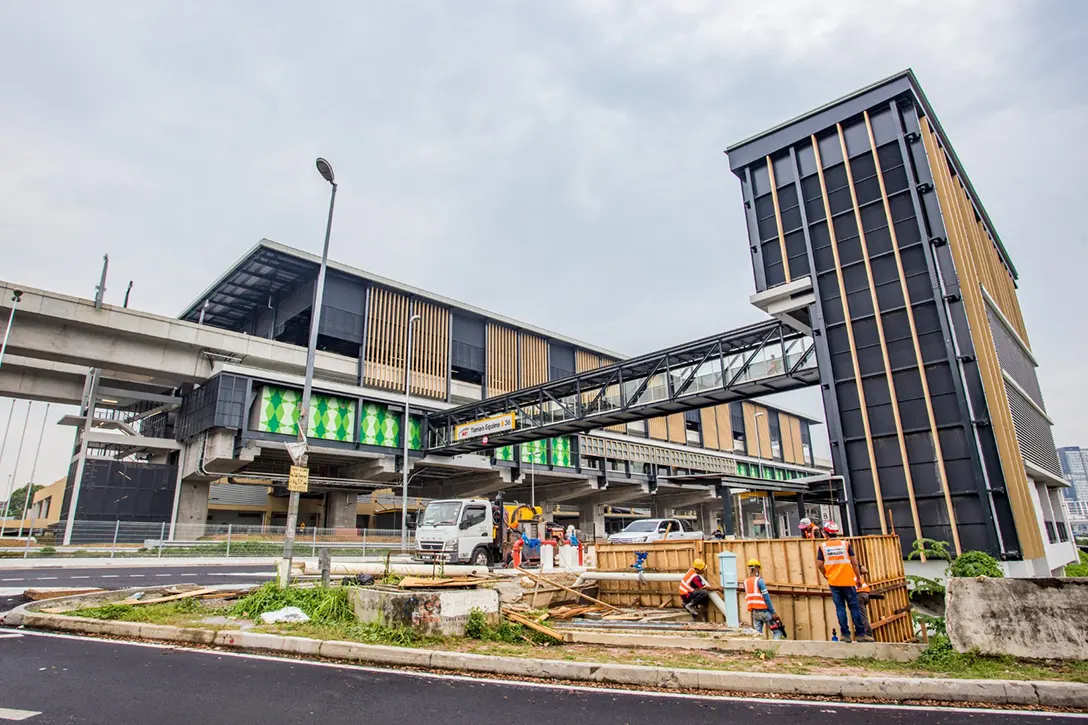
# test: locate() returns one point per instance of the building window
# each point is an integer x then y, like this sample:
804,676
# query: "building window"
806,442
468,359
560,361
774,426
736,422
691,420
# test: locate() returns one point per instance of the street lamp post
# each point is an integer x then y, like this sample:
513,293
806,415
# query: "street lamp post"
325,169
404,434
16,296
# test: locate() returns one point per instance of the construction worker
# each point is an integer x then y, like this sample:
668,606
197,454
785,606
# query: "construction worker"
837,563
695,591
808,531
863,598
759,601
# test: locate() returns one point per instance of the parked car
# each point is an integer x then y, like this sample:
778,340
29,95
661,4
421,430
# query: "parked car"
647,530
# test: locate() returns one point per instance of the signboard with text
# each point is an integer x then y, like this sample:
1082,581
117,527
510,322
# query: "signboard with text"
484,427
299,479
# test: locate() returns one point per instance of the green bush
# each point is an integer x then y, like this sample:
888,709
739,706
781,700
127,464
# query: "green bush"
1080,569
940,655
477,627
47,551
323,605
971,564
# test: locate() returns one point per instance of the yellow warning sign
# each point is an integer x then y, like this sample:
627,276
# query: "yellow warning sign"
299,479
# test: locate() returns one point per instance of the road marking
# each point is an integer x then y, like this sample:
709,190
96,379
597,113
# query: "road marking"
242,573
46,578
10,580
79,577
130,576
13,635
7,713
155,575
588,689
109,576
186,575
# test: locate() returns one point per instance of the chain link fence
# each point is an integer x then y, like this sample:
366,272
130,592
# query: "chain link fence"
152,540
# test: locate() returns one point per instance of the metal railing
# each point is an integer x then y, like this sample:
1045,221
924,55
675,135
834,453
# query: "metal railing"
152,540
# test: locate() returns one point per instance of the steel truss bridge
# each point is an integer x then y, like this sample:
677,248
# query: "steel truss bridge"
749,362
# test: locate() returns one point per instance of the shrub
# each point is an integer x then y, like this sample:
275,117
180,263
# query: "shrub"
477,627
47,551
974,564
323,605
1080,569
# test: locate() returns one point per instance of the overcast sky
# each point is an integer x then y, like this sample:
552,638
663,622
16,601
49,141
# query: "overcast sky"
558,162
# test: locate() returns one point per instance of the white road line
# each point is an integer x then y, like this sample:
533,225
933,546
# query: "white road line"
155,575
79,577
109,576
130,576
242,573
702,697
12,635
187,575
46,578
10,580
7,713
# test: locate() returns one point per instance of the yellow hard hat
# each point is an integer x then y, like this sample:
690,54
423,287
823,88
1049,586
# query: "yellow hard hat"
754,563
698,565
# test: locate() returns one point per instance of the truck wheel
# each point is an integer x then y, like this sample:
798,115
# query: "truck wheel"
480,557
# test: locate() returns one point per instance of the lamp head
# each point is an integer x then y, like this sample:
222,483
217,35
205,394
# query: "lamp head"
325,169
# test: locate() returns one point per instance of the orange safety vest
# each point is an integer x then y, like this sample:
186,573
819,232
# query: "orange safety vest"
837,567
863,586
752,595
687,585
808,533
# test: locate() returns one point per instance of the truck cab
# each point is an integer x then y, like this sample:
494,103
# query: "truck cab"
457,531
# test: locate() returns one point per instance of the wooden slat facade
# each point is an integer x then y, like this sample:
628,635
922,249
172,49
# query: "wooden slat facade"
965,240
795,436
788,454
708,418
430,350
800,595
658,429
387,327
678,432
534,360
502,359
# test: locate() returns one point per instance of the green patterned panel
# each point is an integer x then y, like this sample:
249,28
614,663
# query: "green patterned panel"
379,427
506,453
331,418
534,452
561,451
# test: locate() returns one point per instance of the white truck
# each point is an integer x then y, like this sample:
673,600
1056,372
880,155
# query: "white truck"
646,530
470,530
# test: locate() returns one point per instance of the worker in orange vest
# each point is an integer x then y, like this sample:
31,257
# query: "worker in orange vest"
838,564
863,598
759,601
808,531
695,590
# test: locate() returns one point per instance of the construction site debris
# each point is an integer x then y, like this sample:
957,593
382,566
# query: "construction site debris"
170,597
526,622
285,615
582,595
460,582
38,595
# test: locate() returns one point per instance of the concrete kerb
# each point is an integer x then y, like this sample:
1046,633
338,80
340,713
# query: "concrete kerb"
1000,692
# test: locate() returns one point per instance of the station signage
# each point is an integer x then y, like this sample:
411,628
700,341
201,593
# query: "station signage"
484,427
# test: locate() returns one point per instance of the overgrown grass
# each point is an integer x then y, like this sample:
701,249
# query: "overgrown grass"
323,605
1080,569
364,632
183,610
941,659
506,631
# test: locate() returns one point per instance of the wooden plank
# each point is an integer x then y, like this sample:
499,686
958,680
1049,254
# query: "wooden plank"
526,622
678,432
415,582
170,598
708,419
583,595
658,429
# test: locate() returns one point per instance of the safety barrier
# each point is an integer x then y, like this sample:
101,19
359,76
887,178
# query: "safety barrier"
800,595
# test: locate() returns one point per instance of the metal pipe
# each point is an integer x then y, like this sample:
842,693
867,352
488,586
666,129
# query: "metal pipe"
15,297
15,471
33,472
307,386
404,434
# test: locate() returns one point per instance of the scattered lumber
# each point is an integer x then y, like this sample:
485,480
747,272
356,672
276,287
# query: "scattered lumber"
457,582
568,589
171,598
38,595
570,612
624,617
526,622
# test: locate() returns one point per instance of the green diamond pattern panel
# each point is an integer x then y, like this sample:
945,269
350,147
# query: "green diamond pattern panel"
331,418
561,451
506,453
379,427
536,452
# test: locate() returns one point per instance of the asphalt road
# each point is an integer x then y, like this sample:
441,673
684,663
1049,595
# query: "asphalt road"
13,581
73,680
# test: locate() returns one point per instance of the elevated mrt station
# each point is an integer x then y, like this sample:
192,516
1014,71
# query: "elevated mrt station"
884,282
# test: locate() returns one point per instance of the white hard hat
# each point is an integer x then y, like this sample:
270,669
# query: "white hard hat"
804,523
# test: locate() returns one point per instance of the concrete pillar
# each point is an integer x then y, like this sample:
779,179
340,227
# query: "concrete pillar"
707,519
192,509
591,520
340,509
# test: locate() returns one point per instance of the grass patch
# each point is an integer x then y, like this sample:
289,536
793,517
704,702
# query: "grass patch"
362,632
183,611
505,631
323,605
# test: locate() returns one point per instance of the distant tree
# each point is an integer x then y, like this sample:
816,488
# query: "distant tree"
18,498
